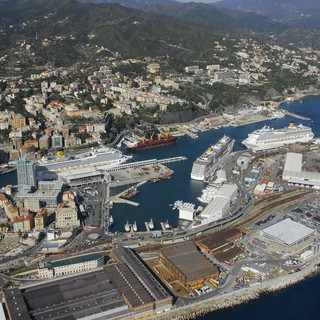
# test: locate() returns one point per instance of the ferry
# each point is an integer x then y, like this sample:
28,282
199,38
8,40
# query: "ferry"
213,157
269,138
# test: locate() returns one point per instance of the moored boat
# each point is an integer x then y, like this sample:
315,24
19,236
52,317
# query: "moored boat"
127,226
151,224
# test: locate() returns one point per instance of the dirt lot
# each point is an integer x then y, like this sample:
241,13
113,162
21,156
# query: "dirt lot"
168,278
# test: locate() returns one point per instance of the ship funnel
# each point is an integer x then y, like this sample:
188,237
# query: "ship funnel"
291,124
60,153
209,149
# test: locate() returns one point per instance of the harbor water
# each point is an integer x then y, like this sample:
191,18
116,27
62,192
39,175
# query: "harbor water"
296,302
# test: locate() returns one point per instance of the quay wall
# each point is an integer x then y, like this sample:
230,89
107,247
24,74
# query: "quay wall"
237,297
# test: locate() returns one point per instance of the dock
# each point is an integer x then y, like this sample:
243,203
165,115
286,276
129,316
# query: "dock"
147,226
188,132
138,164
120,200
117,199
295,115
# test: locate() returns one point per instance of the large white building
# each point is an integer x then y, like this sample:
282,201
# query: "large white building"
64,267
220,205
289,234
295,175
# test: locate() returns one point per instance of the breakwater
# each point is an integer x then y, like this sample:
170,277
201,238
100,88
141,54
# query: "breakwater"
237,297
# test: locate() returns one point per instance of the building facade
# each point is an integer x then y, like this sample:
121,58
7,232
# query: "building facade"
26,174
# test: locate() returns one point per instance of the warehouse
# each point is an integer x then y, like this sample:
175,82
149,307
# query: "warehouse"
220,243
124,290
220,205
289,234
187,263
294,174
89,294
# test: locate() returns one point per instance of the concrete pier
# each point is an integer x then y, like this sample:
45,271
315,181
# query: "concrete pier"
295,115
120,200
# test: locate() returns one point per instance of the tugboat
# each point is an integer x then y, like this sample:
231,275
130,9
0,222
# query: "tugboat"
127,227
150,224
134,227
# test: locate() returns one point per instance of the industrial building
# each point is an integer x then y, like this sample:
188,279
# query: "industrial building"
220,205
51,269
145,294
187,264
125,290
80,177
294,174
221,244
290,235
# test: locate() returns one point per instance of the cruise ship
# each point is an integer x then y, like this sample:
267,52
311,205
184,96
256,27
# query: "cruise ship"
269,138
107,157
212,158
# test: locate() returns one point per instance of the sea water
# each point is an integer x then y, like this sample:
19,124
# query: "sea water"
297,302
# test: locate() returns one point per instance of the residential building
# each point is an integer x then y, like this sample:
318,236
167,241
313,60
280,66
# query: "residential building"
44,142
57,141
18,121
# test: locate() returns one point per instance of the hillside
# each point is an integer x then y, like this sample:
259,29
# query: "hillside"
70,25
293,12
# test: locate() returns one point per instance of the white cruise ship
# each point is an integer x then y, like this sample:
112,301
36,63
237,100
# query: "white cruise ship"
212,158
269,138
108,157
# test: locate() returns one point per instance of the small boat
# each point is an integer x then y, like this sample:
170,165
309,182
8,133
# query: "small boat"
134,227
130,193
127,226
111,221
150,224
166,225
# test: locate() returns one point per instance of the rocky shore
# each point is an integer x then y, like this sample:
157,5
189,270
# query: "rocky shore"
234,298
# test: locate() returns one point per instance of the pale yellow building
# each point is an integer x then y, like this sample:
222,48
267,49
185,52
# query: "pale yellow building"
18,121
67,217
64,267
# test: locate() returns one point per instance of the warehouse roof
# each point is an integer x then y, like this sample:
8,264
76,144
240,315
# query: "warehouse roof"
186,257
288,232
293,162
220,238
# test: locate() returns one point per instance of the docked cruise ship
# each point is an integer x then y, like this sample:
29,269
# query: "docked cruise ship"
212,158
269,138
107,157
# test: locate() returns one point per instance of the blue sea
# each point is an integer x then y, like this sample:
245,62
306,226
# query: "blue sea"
296,302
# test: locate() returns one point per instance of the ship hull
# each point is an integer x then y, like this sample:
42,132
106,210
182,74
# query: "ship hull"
201,171
278,138
151,145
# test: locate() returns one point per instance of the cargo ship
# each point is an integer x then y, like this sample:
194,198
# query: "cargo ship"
269,138
163,139
212,158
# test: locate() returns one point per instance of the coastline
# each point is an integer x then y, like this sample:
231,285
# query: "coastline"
241,296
